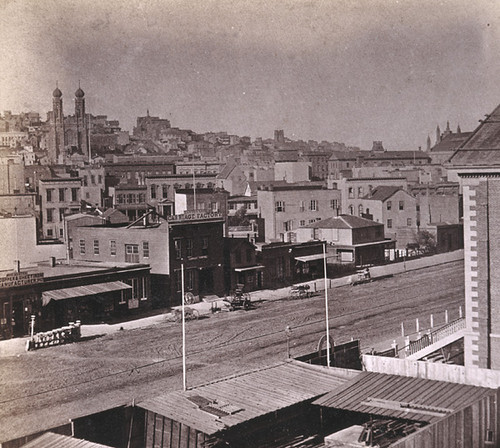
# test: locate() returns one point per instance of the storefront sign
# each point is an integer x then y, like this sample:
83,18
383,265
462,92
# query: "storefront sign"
20,279
194,215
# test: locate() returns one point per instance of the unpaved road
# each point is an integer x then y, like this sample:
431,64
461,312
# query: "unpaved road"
45,388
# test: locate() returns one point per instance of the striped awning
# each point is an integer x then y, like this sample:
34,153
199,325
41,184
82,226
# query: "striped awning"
82,291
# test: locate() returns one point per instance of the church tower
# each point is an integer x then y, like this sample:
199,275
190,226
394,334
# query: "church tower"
428,143
82,129
56,149
438,135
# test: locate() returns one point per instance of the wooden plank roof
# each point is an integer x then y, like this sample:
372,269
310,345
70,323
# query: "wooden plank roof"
51,440
402,397
247,396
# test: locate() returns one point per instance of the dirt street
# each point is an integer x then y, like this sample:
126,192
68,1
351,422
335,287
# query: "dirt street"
47,387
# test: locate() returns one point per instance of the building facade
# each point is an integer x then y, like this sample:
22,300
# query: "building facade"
285,208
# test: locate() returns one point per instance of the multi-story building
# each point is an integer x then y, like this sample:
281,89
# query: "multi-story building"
340,164
287,207
292,171
67,134
58,197
396,209
319,161
477,163
352,239
160,190
134,171
12,179
204,200
130,199
354,190
93,184
150,127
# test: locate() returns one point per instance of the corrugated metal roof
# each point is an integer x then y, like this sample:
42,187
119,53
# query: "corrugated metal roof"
402,397
51,440
254,394
80,291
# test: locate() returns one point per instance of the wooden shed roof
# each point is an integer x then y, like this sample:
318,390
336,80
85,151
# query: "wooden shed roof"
216,406
51,440
402,397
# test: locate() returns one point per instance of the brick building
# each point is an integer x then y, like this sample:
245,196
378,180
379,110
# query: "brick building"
477,162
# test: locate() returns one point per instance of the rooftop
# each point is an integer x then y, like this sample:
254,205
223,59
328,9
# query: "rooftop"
343,222
382,192
402,397
482,148
216,406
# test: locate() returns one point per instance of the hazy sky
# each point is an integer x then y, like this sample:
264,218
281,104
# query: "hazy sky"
352,71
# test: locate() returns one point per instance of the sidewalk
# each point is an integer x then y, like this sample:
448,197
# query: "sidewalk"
13,347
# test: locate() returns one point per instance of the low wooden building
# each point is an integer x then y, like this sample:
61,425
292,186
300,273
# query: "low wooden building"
244,410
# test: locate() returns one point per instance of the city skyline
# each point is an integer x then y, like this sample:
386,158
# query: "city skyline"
352,72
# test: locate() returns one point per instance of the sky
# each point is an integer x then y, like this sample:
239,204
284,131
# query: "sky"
350,71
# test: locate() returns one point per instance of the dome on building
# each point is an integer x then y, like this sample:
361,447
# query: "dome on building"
57,93
79,93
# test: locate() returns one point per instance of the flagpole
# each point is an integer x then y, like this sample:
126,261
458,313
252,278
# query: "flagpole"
183,331
326,310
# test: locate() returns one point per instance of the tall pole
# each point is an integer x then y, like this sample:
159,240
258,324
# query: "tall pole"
194,187
326,310
183,331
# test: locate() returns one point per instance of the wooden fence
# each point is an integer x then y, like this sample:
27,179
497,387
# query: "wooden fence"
433,371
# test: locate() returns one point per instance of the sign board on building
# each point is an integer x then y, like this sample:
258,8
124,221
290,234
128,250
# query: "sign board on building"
20,279
194,216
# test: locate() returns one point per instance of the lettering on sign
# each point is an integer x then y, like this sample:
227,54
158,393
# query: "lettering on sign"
20,279
193,216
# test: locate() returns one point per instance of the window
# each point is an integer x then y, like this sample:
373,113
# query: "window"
85,181
132,253
401,205
99,177
280,206
288,226
204,246
62,211
82,247
164,190
61,233
302,222
360,192
87,195
178,249
62,195
389,205
112,247
145,249
389,223
189,247
50,215
334,204
49,195
214,206
313,205
351,209
360,209
351,192
408,222
153,191
96,247
189,279
74,194
92,179
50,232
302,206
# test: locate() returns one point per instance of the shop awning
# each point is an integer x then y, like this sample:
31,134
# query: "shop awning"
307,258
81,291
249,268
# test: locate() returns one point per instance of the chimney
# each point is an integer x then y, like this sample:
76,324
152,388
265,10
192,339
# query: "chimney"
17,266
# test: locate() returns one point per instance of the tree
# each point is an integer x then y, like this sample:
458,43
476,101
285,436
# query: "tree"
240,218
426,241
